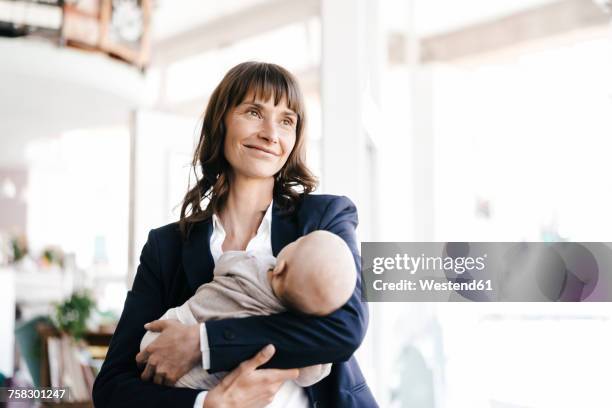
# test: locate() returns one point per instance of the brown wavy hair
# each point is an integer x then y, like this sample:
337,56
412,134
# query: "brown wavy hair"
294,179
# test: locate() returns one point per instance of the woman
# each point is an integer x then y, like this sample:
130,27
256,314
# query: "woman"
257,193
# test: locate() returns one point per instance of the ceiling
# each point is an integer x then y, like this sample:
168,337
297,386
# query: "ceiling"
47,90
440,16
172,17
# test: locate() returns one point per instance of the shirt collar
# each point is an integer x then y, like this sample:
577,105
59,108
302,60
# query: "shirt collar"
266,222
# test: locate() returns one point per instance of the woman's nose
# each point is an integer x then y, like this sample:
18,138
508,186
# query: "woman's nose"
269,132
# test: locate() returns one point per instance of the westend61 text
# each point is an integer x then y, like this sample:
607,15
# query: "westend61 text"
432,285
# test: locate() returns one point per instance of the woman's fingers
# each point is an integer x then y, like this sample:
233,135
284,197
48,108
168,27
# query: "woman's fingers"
247,386
142,357
275,375
176,349
262,357
159,378
148,372
156,325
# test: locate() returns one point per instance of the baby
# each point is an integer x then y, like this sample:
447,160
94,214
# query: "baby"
315,275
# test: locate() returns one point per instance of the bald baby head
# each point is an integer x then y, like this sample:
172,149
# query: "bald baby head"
315,275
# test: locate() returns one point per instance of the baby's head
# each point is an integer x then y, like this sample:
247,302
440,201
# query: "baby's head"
315,274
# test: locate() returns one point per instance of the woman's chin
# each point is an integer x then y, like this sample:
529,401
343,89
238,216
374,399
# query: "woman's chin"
258,173
252,167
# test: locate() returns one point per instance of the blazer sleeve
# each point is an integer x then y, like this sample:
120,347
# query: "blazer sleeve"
300,341
118,384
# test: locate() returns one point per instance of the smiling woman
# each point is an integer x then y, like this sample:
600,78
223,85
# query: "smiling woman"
253,195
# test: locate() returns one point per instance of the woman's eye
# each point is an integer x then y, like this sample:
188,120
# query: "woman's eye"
287,122
254,113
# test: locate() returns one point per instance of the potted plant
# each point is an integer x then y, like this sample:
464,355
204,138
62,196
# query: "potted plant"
71,316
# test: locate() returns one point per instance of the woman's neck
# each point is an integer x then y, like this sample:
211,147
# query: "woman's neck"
246,206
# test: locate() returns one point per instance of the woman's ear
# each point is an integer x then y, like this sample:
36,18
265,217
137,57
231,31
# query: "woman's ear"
280,268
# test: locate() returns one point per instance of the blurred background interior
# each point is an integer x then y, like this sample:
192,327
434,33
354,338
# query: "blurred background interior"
443,120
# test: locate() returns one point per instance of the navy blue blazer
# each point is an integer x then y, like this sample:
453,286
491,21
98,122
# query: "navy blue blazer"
171,270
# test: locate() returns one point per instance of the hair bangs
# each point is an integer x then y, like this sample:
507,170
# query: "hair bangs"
269,81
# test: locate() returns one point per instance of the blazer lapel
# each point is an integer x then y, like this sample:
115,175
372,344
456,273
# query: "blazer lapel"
197,259
284,230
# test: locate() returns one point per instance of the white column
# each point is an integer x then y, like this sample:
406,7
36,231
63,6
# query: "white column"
422,158
353,58
342,87
421,135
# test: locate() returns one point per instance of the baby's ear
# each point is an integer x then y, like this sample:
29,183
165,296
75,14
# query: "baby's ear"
280,268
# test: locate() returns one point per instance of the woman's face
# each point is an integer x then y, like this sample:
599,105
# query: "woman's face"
259,137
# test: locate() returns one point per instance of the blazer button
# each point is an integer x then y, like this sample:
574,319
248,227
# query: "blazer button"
229,335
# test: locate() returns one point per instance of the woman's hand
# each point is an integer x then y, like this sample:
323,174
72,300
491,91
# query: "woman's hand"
172,354
248,387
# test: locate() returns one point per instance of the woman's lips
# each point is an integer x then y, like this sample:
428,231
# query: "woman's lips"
261,149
